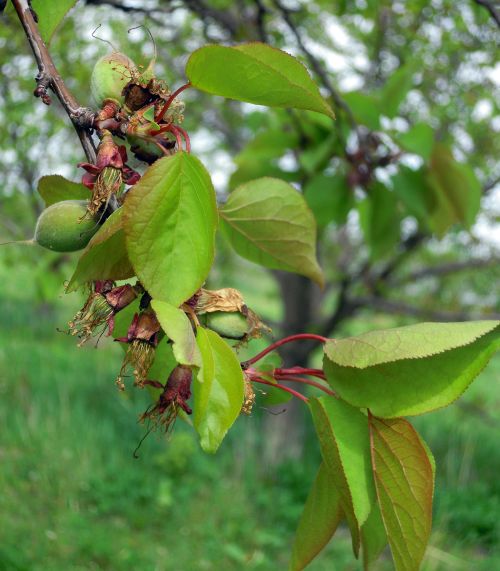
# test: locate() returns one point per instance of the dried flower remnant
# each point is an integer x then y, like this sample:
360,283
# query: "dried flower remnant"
176,392
103,303
230,301
249,396
106,178
142,337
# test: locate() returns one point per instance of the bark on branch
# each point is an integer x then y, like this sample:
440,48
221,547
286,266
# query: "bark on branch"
48,76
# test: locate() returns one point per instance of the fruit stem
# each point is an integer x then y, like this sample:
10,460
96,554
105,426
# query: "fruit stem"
276,344
278,386
168,102
293,379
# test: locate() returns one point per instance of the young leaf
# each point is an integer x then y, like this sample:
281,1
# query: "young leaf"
179,330
457,191
217,389
256,73
54,188
268,222
419,140
170,218
395,90
405,483
330,198
318,522
343,429
410,370
412,188
50,15
105,257
373,537
379,220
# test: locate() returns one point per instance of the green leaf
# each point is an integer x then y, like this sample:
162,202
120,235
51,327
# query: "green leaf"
409,342
373,537
410,370
419,140
395,90
330,198
343,429
413,190
54,188
365,108
105,257
218,390
405,483
457,191
50,15
379,220
318,522
268,222
256,73
178,328
170,218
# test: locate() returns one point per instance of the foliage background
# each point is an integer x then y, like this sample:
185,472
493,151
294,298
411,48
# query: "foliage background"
72,495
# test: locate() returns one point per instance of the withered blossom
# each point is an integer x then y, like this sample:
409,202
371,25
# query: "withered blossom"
176,392
249,395
103,303
107,176
142,337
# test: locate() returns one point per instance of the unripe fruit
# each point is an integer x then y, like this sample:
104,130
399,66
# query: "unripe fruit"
110,75
65,226
229,324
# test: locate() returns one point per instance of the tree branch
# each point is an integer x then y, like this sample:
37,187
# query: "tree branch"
493,10
316,66
48,76
400,307
443,269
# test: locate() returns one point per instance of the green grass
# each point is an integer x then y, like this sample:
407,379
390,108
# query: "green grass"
74,498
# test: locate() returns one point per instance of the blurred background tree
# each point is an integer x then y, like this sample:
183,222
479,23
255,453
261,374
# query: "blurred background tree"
405,187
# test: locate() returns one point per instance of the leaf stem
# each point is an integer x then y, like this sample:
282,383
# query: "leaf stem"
278,386
276,344
294,379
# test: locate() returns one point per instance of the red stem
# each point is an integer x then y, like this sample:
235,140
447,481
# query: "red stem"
276,344
160,115
177,136
301,371
306,382
278,386
186,137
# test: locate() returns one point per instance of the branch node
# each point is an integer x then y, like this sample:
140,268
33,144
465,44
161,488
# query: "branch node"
43,81
83,117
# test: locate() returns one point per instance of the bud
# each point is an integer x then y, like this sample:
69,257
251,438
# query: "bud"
62,227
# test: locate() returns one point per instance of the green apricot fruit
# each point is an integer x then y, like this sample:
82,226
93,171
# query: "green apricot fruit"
64,226
229,324
110,75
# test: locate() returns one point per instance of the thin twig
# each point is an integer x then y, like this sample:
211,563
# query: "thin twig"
48,76
493,10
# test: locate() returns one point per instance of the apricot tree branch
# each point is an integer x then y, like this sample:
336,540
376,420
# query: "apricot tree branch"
48,76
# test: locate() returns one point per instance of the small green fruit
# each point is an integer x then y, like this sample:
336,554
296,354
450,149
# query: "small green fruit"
110,75
65,226
232,325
